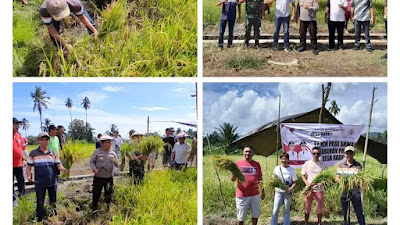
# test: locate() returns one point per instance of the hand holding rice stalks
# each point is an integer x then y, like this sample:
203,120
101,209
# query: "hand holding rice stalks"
275,182
350,182
325,178
151,144
224,163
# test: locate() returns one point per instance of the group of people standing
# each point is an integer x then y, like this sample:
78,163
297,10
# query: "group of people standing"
250,193
337,15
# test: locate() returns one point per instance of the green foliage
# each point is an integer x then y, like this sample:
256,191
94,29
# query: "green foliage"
115,16
245,63
151,144
72,151
275,182
78,131
224,163
228,134
25,210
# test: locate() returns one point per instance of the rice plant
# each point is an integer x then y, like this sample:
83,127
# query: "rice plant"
224,163
71,153
325,178
275,182
151,144
361,181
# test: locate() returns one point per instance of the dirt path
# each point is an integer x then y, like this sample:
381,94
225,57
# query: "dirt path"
240,61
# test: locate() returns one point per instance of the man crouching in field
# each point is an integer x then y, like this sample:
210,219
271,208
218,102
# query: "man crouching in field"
102,163
53,11
248,192
45,163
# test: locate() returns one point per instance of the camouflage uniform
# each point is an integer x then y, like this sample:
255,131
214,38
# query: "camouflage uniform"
136,168
253,18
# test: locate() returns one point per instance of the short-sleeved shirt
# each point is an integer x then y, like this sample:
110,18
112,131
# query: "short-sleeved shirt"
287,175
181,152
346,169
62,139
75,6
337,14
312,169
54,145
282,8
117,144
252,173
253,9
229,10
361,9
169,144
18,149
309,14
44,165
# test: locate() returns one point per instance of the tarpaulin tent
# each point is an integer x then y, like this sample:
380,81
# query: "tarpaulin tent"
263,139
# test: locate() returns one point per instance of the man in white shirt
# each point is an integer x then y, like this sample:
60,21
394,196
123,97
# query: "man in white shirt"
117,143
335,17
292,154
180,152
305,153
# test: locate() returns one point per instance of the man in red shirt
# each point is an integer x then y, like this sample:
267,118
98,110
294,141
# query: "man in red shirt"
248,192
18,161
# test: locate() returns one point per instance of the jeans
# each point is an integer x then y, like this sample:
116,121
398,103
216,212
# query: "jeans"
98,185
285,198
312,28
355,198
222,26
57,24
357,27
285,23
332,27
40,196
19,175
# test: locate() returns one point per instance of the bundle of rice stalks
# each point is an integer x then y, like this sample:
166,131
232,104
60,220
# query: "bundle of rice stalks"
126,149
275,182
71,153
325,178
114,17
151,144
224,163
360,180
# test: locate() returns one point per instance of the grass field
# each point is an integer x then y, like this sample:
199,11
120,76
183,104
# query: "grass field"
212,13
137,38
165,197
375,202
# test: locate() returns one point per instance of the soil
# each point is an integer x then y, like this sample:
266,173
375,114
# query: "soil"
294,220
346,62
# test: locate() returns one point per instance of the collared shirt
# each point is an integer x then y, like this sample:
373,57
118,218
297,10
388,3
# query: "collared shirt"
312,169
18,148
75,7
362,9
45,165
54,145
252,174
229,9
348,169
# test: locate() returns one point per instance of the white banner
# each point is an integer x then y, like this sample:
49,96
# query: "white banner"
298,139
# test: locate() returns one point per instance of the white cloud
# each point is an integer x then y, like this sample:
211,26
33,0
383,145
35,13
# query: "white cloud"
179,89
112,88
151,109
94,97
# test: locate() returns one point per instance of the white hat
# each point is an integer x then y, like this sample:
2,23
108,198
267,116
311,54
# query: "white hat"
58,9
349,148
182,135
43,134
105,137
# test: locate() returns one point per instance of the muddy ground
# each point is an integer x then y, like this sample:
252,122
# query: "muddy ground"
294,220
344,63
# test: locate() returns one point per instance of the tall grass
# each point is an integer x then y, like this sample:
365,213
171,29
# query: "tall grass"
212,13
138,38
374,207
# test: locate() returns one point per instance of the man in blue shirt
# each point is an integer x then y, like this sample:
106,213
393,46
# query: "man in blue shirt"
45,164
228,16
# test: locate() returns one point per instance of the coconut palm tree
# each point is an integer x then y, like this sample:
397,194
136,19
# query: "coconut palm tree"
334,108
47,123
25,125
228,134
40,101
69,105
113,128
86,105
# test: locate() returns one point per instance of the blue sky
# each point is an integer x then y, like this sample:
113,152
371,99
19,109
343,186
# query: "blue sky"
125,104
250,105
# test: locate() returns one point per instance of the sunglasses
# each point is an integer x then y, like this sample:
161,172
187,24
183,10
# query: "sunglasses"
315,153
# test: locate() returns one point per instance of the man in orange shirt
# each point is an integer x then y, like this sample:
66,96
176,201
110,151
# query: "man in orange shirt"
18,161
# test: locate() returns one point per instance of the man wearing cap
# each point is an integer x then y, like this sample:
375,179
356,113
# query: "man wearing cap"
53,11
45,164
62,137
169,143
310,170
349,166
19,151
54,144
180,152
117,143
102,163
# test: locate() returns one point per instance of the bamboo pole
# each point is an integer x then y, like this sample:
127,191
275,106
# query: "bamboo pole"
278,126
369,126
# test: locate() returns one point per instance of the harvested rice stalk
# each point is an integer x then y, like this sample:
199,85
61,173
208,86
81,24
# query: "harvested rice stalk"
326,178
275,182
224,163
151,144
360,180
